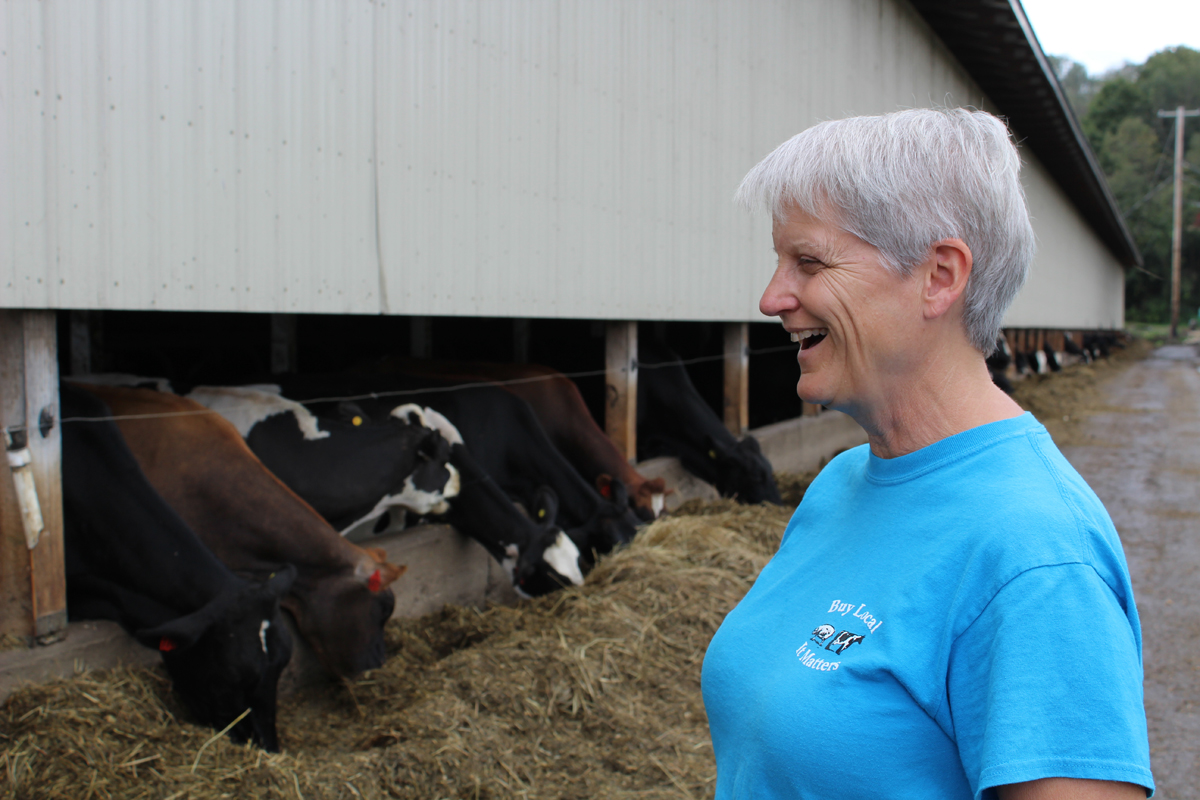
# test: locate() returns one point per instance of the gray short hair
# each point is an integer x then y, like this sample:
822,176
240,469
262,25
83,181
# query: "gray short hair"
901,182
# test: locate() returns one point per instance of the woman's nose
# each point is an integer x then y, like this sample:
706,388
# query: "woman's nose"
779,296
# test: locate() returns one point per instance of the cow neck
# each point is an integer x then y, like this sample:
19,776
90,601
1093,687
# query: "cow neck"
205,471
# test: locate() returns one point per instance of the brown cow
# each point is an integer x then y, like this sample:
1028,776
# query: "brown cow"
255,524
556,401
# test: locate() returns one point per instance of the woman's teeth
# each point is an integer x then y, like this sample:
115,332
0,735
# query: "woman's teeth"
810,337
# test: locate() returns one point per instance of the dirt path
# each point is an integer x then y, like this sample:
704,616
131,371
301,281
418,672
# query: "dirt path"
1141,454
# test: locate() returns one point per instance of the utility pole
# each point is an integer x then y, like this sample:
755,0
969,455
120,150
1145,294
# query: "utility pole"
1177,234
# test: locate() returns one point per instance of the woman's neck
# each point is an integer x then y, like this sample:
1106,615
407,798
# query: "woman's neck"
952,393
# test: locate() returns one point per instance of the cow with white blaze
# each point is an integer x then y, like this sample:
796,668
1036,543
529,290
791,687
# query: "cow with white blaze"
504,437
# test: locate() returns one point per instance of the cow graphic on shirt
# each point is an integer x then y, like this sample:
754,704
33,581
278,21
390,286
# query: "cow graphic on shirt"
842,641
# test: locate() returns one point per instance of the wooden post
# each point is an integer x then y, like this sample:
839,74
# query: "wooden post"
33,576
520,341
737,377
283,343
621,368
80,345
1058,342
420,337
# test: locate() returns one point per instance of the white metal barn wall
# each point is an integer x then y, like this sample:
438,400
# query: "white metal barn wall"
1075,282
562,158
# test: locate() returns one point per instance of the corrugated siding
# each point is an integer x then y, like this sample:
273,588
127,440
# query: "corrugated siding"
1075,281
560,158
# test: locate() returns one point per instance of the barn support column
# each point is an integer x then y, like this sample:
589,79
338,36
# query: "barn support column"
521,341
737,377
86,344
420,339
33,596
283,343
620,402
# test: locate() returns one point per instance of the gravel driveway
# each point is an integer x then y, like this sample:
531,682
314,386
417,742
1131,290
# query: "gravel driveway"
1142,458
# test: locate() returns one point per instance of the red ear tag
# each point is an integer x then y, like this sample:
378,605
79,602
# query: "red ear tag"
166,645
606,491
375,581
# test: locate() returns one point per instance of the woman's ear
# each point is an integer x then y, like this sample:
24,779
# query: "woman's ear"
946,274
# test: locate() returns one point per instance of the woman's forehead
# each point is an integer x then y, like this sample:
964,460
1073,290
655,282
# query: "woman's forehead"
799,229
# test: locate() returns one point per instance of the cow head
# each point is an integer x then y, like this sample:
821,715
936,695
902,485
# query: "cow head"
342,614
611,525
647,501
741,471
227,657
551,560
433,476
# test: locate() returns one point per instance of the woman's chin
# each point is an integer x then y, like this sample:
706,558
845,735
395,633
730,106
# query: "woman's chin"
809,392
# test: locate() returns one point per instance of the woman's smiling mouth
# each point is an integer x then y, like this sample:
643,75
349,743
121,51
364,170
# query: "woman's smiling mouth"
810,337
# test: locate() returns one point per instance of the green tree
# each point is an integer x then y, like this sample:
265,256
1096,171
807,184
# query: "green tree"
1135,150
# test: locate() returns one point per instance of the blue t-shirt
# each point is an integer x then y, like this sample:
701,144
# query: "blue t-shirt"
932,626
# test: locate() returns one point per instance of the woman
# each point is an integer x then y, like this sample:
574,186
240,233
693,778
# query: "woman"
949,614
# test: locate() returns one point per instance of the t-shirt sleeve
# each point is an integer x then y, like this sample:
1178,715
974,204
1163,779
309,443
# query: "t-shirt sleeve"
1047,682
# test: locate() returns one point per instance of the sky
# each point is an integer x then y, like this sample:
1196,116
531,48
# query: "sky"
1102,34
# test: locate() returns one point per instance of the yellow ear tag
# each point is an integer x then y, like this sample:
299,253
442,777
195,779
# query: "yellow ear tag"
356,421
712,453
541,513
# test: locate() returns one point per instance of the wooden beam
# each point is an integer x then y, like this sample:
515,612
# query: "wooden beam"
80,346
44,436
520,341
283,343
420,341
29,408
621,368
737,377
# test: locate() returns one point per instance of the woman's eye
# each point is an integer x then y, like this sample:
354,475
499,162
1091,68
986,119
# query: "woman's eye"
808,264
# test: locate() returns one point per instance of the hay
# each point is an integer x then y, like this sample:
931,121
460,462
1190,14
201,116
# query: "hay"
590,692
793,485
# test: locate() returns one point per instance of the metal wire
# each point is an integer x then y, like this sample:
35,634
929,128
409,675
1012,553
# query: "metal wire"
431,390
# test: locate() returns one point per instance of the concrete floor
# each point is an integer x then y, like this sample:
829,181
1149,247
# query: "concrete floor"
1143,460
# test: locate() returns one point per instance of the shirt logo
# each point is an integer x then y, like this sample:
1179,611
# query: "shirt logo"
823,636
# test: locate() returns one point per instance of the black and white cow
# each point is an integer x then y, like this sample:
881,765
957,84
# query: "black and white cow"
674,420
131,559
503,436
361,468
998,362
350,472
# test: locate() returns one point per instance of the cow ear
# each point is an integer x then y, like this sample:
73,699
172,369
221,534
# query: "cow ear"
751,444
618,495
384,573
544,505
349,412
280,583
604,485
178,634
